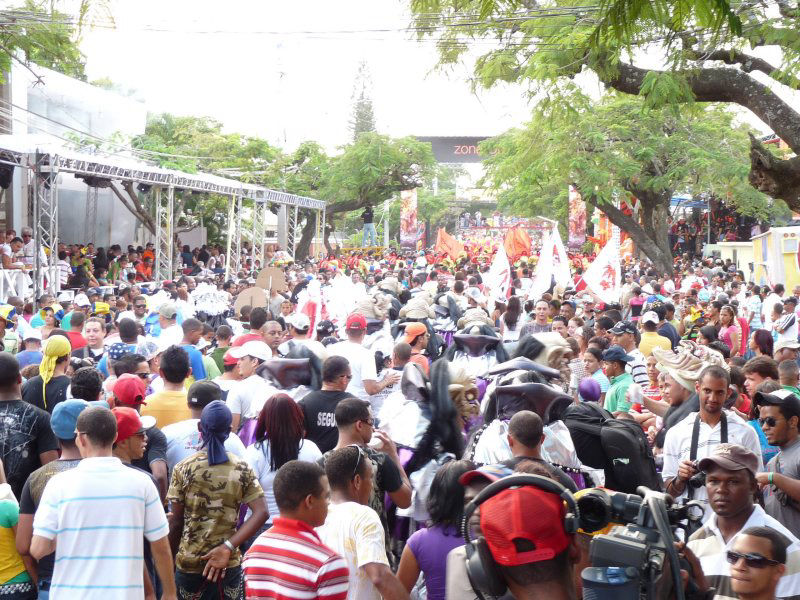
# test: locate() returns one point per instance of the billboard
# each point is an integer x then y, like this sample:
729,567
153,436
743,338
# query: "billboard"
455,149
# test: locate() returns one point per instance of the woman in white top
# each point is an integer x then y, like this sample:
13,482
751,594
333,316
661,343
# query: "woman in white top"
279,438
511,322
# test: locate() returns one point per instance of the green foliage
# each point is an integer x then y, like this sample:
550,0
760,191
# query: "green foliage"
616,148
543,47
37,33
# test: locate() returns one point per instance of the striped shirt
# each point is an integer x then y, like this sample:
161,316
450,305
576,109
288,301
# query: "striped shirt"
99,514
289,561
710,548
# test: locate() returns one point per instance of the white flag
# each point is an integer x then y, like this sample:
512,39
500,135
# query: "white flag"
603,277
498,279
553,264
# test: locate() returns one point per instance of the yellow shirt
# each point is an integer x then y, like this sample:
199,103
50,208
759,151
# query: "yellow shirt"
167,407
650,340
12,569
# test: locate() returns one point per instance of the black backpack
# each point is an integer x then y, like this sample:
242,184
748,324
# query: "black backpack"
617,446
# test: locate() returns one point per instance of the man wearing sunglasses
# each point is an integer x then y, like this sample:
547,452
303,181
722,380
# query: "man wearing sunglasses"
779,413
758,561
731,486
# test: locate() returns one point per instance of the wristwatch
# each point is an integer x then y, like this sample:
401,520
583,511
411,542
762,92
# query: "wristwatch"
229,545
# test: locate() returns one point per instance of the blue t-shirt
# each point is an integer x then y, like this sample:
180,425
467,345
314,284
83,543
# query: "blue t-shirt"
196,361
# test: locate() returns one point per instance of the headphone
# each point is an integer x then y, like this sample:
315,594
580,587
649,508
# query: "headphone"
483,572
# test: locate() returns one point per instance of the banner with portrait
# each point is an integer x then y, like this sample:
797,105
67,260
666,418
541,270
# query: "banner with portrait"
409,226
576,234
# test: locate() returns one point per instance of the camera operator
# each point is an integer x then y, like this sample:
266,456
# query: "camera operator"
758,561
731,487
697,435
780,418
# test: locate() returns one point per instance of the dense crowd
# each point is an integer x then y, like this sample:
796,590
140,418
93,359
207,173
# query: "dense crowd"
390,425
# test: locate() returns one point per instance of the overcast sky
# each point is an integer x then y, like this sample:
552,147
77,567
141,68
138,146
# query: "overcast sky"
285,70
291,86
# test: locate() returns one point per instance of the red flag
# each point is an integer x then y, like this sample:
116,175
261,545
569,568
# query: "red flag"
517,243
448,245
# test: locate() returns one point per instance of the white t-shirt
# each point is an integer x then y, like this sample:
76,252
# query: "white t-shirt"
171,336
770,301
248,396
355,533
362,366
183,440
678,442
258,456
99,511
226,385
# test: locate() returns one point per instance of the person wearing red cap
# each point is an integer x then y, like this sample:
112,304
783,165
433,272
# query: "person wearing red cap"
364,382
417,337
535,555
129,390
230,373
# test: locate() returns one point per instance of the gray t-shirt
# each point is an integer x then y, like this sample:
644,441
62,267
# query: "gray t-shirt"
777,503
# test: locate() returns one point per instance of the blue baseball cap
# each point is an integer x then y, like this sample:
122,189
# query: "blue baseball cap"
65,418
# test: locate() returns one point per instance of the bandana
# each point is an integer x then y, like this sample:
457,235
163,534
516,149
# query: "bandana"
215,426
54,348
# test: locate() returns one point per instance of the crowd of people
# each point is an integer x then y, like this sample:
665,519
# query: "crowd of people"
344,437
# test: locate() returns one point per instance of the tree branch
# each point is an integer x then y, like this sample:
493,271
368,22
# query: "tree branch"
134,208
724,85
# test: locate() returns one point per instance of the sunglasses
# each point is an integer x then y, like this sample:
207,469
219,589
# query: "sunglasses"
754,561
768,421
361,454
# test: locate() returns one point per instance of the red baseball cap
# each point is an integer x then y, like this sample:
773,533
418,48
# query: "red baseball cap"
229,359
356,321
129,422
524,513
129,390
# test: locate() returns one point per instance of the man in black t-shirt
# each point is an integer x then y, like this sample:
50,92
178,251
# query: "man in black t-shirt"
319,407
26,440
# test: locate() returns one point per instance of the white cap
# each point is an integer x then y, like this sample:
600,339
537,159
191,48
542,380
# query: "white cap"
650,317
32,334
475,294
299,321
81,300
255,349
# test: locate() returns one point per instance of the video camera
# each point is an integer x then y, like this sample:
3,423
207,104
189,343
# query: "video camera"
636,559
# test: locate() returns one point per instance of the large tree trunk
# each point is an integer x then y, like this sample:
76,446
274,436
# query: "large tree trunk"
307,236
652,236
778,178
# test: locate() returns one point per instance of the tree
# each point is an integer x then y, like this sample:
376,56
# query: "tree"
374,168
194,144
615,151
363,119
37,33
710,52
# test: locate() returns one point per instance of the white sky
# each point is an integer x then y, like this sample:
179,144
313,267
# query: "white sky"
280,70
291,87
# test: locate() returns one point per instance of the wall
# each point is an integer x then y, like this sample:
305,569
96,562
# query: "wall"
68,108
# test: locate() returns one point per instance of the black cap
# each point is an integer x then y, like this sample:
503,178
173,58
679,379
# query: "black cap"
783,398
203,393
623,327
617,353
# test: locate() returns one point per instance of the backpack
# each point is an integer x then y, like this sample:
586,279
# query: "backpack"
617,446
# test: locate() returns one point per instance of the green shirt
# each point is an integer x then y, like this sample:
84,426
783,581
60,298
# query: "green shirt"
615,397
792,389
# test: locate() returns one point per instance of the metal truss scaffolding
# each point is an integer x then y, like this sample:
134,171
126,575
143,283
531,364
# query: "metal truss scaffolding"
233,253
292,229
90,226
44,165
260,211
45,223
165,239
